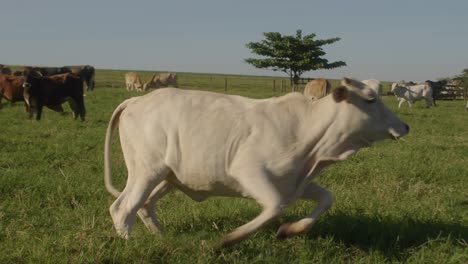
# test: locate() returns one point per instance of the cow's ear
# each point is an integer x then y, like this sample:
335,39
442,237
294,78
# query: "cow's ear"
340,93
346,81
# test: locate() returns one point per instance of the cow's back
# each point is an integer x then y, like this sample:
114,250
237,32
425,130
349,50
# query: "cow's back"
189,130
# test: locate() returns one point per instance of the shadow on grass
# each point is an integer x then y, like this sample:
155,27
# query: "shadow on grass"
391,237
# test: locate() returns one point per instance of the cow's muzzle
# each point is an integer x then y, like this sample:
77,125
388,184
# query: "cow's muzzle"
395,134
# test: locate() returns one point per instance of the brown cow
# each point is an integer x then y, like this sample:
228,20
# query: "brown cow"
317,89
133,81
161,80
11,88
52,91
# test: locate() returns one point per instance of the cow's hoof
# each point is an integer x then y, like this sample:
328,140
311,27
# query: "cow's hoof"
283,231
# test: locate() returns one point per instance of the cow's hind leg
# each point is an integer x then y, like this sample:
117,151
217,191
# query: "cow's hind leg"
147,214
259,187
142,179
324,201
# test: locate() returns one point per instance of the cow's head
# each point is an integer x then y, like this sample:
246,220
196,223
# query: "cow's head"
363,115
28,75
89,73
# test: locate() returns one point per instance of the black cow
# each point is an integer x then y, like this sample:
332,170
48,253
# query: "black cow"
4,69
86,73
436,88
52,91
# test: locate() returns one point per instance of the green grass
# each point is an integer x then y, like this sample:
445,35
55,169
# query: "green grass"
404,201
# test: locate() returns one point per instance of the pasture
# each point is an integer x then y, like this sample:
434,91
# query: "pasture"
398,201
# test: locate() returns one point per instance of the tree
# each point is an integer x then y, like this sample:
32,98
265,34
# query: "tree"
293,55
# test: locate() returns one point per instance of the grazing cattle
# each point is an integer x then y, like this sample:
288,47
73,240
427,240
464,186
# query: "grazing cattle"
52,91
317,88
160,80
133,81
412,93
4,70
208,144
375,85
86,73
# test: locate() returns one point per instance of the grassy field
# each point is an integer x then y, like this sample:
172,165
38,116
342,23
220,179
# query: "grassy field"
404,201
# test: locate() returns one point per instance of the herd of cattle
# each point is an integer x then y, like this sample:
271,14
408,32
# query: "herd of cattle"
50,87
403,91
47,86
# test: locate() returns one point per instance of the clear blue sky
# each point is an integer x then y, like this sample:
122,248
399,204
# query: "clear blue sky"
387,40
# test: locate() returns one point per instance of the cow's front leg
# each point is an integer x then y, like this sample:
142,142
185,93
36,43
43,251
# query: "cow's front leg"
402,100
258,186
324,200
39,112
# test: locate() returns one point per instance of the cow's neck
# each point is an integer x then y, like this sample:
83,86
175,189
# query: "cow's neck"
326,138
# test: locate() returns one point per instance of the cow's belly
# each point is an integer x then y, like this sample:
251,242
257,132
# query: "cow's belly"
200,185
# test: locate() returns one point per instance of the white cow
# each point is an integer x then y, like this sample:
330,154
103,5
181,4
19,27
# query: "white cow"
133,81
208,144
466,107
376,85
412,93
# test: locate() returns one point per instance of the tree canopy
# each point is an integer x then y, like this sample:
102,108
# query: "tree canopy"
293,55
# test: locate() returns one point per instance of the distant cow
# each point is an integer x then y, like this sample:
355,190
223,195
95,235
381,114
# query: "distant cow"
412,93
466,107
86,73
375,85
437,88
160,80
209,144
4,69
317,88
52,91
133,81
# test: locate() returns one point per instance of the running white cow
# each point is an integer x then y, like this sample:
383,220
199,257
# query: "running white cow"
208,144
412,93
376,85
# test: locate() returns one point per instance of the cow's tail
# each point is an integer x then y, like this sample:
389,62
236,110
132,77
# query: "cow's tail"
114,121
